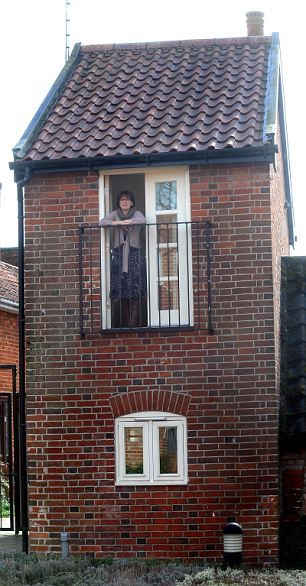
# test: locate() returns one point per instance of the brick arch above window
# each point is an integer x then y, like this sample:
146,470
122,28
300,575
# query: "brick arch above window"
147,400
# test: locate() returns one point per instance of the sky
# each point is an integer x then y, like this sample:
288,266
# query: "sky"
33,50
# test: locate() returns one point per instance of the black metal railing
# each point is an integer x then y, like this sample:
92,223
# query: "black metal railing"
157,277
9,450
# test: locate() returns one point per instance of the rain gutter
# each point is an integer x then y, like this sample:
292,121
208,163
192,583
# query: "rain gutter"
9,306
262,154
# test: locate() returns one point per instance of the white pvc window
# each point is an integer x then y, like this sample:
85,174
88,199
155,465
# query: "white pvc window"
169,247
151,448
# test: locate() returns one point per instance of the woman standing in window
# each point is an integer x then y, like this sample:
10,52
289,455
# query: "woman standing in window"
128,269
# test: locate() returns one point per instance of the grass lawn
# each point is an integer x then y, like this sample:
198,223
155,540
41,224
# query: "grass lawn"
47,571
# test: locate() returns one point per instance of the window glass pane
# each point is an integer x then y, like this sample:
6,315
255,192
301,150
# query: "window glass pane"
133,443
168,295
166,229
168,262
168,450
166,195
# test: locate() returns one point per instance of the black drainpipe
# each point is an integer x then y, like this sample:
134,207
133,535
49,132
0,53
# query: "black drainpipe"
22,386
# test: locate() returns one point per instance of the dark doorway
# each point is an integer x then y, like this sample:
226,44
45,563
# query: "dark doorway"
9,453
132,182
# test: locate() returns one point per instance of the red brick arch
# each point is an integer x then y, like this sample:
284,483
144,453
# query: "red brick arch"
155,400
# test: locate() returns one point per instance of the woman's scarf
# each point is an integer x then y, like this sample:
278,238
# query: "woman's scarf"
126,243
128,216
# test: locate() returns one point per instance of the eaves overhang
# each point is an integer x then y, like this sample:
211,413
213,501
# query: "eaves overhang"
9,306
274,113
286,163
264,154
271,101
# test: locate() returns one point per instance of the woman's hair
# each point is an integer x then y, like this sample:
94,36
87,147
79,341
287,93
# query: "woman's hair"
128,194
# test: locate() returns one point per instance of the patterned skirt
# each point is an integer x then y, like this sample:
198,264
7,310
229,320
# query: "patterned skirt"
130,285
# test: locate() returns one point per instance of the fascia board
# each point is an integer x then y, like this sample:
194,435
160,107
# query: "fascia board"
39,118
271,101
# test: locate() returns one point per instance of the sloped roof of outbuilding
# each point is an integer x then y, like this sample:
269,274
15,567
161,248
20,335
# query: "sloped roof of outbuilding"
141,99
8,287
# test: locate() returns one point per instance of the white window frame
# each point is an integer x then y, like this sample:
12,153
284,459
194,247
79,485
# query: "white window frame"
151,421
181,175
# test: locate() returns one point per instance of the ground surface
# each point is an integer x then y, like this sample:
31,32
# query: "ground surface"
17,570
9,542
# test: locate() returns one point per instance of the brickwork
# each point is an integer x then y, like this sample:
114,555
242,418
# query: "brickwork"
280,246
225,384
8,347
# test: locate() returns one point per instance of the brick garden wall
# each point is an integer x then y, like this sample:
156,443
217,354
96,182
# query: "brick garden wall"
225,383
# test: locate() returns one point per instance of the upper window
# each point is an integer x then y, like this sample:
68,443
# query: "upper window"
147,264
156,287
151,448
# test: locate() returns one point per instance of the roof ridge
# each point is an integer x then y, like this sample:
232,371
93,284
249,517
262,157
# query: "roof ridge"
36,123
174,44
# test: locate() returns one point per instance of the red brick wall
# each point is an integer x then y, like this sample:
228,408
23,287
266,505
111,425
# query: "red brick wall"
280,242
8,347
226,380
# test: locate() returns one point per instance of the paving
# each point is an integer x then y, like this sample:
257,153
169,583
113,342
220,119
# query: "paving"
9,542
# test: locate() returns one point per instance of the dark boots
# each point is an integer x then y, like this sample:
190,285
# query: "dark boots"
128,313
131,313
125,313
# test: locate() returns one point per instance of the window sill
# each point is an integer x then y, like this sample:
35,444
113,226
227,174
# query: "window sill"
111,332
155,483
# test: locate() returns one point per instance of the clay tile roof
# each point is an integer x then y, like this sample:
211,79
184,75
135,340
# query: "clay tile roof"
8,286
123,100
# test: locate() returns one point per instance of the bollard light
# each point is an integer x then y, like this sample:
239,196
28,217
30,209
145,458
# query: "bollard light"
232,543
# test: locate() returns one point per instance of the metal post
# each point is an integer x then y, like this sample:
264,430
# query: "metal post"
64,545
22,387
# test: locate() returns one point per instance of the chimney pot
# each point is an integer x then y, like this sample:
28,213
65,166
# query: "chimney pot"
255,23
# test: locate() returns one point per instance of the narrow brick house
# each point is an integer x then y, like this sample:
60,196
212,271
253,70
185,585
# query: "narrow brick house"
143,440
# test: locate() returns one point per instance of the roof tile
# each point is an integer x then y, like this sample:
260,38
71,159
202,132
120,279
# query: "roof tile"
142,98
8,284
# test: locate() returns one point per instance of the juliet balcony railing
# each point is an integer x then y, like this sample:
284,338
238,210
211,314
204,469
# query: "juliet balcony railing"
164,283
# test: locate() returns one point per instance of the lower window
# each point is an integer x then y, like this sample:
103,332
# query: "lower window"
151,448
